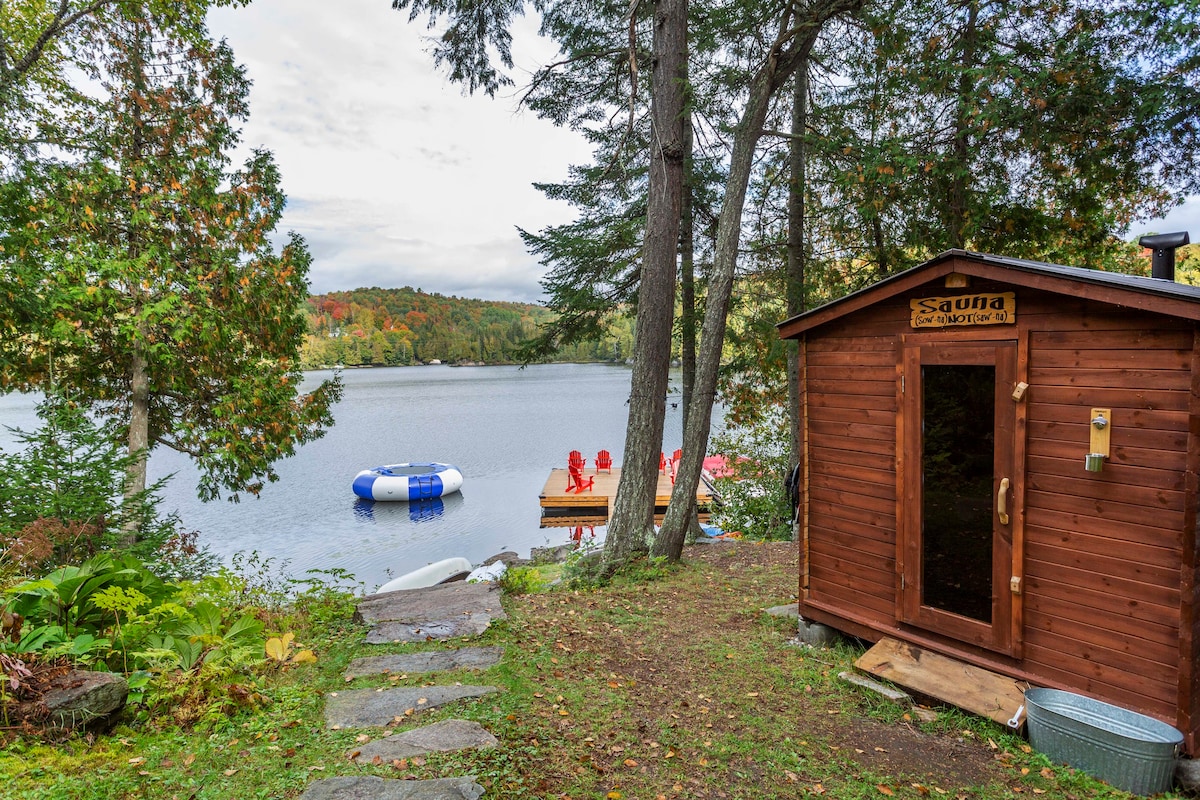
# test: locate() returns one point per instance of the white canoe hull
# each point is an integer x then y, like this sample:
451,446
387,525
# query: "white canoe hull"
428,575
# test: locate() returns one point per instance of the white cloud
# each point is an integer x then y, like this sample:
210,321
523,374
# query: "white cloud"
393,176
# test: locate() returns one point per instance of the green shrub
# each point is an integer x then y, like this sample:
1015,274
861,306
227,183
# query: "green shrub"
521,580
62,497
113,612
754,500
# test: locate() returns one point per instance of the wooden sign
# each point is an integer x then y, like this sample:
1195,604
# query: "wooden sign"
964,309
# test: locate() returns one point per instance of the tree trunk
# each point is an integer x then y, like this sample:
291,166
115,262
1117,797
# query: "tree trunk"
139,436
631,527
687,277
780,64
687,290
139,378
957,202
797,255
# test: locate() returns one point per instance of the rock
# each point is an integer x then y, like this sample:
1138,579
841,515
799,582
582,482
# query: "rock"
551,555
789,610
431,661
924,714
884,691
1187,775
80,697
439,602
365,708
432,630
816,634
440,737
508,557
372,788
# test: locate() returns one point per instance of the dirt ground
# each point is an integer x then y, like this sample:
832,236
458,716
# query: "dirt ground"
709,665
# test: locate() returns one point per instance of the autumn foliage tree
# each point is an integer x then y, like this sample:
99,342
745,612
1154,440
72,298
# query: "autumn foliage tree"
158,294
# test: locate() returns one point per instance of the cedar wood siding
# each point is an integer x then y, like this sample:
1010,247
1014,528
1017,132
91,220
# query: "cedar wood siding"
1107,607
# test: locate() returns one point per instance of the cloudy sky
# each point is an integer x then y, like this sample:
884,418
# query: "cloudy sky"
393,176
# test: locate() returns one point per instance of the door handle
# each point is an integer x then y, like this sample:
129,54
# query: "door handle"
1002,501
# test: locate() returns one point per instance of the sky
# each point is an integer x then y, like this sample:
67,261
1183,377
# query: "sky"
396,178
393,176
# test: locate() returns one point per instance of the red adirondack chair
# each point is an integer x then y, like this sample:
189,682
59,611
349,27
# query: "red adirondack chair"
662,463
604,462
576,481
576,459
676,457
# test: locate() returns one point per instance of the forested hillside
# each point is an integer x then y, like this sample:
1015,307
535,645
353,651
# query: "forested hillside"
398,327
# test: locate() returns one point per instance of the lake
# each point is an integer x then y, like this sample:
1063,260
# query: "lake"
504,427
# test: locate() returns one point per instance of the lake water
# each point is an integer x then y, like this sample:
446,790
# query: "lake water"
504,427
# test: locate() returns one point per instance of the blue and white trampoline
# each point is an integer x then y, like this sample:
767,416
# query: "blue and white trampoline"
406,482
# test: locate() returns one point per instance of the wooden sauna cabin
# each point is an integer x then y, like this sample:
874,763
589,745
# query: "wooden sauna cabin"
1000,465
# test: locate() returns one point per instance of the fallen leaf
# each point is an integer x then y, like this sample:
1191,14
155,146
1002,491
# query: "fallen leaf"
230,772
137,760
629,762
884,790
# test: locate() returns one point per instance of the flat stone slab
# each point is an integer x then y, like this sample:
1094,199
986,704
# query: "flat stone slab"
440,737
432,603
372,788
365,708
787,610
431,661
429,630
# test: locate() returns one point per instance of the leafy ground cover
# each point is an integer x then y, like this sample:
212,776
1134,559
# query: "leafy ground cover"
671,683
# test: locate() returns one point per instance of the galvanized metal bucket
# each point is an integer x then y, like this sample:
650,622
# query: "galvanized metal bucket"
1128,750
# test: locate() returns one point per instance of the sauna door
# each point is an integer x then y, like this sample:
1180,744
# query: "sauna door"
956,447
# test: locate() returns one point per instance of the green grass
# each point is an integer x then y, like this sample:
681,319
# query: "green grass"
676,687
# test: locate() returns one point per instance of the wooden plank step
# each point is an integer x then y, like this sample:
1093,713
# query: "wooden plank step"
971,688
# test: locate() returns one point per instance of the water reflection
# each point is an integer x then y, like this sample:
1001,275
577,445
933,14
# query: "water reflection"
419,511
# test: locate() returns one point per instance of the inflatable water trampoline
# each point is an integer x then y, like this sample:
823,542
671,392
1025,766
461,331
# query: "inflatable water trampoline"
405,482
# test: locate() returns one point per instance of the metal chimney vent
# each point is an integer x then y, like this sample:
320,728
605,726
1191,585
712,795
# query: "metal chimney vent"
1162,258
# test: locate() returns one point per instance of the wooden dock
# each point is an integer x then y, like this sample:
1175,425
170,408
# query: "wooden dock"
561,508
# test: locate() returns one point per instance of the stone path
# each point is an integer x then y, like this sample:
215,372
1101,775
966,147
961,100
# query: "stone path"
437,613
